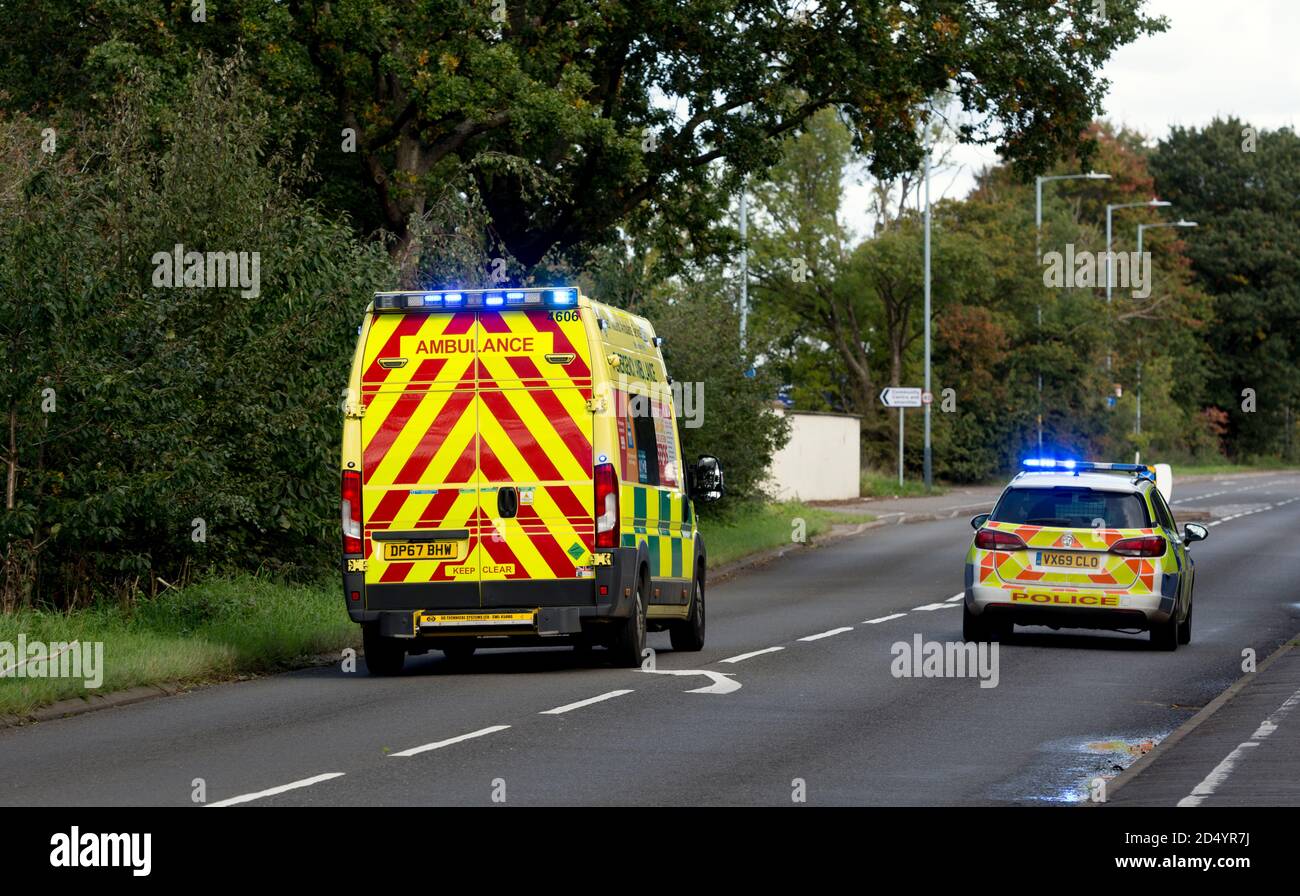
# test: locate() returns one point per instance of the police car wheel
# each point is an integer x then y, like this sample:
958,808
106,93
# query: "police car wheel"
384,656
630,639
1164,635
1185,627
689,634
978,628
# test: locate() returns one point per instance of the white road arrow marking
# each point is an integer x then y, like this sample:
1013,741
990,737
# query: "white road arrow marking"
722,683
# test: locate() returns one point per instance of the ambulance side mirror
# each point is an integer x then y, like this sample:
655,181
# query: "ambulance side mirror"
706,479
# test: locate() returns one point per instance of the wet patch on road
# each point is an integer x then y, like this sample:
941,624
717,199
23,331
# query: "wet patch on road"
1065,769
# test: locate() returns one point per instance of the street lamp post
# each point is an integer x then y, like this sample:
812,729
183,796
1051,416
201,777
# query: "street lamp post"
1137,421
1110,267
1038,257
1110,209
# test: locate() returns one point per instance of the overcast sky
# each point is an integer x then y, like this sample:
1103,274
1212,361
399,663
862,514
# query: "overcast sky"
1219,57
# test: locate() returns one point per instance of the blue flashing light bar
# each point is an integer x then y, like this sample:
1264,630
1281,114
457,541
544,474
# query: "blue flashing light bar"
1048,463
424,300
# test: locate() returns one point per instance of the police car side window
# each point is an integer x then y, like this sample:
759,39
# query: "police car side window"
1163,513
647,448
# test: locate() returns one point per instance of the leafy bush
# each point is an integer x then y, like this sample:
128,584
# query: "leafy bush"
157,430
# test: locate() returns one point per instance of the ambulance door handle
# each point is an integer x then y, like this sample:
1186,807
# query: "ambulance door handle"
507,502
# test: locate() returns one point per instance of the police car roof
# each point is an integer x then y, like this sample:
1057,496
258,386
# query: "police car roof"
1102,482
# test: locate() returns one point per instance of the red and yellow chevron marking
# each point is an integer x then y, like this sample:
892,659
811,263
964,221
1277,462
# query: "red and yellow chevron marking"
458,406
1133,575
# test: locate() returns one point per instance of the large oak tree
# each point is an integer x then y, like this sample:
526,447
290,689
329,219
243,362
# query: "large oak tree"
571,116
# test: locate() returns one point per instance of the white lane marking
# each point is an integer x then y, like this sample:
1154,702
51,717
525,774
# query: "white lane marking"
834,631
722,684
610,695
451,740
883,618
1215,523
249,797
956,597
1224,769
929,607
750,655
1214,778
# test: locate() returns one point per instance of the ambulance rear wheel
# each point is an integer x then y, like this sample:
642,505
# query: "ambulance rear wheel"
384,656
689,634
629,641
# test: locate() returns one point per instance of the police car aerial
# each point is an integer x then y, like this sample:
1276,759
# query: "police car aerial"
1075,544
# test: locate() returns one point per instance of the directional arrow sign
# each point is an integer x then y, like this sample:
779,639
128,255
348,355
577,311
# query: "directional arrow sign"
722,684
901,397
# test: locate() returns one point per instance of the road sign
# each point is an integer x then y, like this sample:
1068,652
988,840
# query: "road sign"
927,397
901,397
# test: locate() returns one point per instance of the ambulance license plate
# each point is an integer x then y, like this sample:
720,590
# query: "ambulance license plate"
405,551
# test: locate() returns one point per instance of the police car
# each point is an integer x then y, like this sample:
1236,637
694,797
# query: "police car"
1076,544
512,474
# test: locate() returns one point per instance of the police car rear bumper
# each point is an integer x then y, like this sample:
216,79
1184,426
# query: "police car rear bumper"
1082,608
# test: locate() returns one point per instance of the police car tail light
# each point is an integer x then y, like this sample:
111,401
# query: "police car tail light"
997,540
351,512
1142,546
606,507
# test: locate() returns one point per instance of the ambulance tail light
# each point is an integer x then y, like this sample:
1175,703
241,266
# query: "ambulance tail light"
350,505
1142,546
997,540
606,506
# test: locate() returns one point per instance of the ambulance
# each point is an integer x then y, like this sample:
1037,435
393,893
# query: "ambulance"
1082,544
512,474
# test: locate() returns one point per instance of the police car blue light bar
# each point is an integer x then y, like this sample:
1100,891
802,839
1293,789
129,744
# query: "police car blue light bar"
1048,463
457,300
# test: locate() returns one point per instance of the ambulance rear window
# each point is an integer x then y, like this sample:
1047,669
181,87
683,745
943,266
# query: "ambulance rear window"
1072,508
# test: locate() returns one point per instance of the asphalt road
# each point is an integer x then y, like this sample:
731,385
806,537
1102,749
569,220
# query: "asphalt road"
822,718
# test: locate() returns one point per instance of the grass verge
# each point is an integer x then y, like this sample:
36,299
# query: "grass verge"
209,631
769,527
881,485
1225,469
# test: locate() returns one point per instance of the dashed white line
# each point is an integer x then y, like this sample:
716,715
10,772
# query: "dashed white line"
1224,769
834,631
451,740
956,597
930,607
750,655
249,797
883,618
568,707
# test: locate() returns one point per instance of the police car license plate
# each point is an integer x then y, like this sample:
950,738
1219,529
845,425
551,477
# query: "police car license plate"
1063,560
405,551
